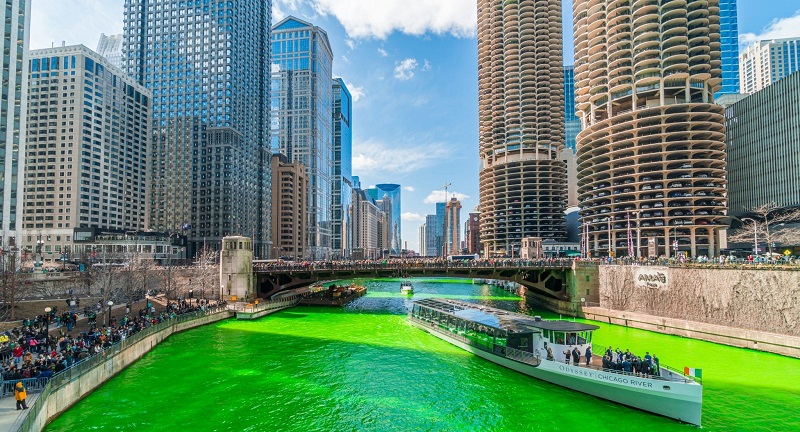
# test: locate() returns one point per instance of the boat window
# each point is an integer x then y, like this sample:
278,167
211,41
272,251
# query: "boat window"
560,338
581,338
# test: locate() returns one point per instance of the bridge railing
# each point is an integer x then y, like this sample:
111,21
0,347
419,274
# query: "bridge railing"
413,265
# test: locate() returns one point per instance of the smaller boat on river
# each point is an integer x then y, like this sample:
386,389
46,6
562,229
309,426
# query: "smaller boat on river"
406,288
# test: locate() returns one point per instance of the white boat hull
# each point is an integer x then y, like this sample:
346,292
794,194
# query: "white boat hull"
678,400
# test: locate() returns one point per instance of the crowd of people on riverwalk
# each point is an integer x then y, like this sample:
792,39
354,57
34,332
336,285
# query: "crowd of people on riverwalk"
29,351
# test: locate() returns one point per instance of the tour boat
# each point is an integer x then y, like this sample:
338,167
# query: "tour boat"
406,288
521,343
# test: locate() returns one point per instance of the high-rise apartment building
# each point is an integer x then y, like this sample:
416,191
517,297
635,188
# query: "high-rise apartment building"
523,181
367,220
110,47
207,64
302,113
652,153
342,195
729,47
392,193
452,227
422,239
13,125
763,137
88,158
289,189
472,233
767,61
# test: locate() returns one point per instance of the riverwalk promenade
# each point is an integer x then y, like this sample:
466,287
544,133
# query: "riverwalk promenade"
49,397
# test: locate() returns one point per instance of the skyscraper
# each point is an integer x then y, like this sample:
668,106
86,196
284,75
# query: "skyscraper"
767,61
110,47
289,189
16,16
523,190
103,179
452,226
342,196
763,136
572,124
430,248
439,228
652,151
391,192
302,118
729,47
207,66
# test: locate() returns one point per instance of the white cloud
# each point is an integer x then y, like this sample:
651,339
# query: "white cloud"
438,196
382,52
377,158
54,21
350,43
409,189
378,19
408,216
356,92
282,8
404,70
426,66
777,29
345,59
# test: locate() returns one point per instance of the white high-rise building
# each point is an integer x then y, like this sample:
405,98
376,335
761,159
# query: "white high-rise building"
110,47
16,15
767,61
87,174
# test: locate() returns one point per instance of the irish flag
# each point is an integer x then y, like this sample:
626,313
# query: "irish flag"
692,372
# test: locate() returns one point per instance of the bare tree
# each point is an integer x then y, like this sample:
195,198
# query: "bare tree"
768,224
13,287
207,270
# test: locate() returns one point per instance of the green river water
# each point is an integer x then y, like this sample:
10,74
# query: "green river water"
364,368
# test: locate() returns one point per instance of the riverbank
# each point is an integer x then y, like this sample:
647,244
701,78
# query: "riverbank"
64,390
737,337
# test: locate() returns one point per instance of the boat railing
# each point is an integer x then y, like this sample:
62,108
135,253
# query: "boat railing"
665,372
500,350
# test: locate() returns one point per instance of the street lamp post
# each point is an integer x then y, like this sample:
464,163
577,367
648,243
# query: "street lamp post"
47,326
755,234
109,303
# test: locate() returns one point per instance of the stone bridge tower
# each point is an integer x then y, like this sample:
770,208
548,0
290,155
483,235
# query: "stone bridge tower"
236,269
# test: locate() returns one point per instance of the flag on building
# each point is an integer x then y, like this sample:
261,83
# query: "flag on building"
692,372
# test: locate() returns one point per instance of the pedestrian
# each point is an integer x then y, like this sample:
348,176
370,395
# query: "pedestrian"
21,394
576,357
588,355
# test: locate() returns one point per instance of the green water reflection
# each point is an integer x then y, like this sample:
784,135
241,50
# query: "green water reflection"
365,368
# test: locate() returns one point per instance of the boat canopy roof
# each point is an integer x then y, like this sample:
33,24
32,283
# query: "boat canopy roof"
500,319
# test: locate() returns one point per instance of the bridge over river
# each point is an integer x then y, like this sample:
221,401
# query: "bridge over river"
558,285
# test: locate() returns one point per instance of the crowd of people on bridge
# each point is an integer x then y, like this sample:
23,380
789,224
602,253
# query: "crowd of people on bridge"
28,351
408,263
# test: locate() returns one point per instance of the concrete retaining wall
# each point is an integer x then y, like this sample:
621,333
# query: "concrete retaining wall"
64,397
753,339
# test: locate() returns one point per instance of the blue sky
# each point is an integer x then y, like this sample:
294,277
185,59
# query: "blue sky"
411,66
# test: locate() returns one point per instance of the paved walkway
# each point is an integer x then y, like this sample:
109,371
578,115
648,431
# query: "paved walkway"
9,416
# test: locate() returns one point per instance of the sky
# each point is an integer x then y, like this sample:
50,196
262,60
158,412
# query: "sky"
411,66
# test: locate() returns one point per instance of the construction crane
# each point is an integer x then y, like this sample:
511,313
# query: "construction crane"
446,185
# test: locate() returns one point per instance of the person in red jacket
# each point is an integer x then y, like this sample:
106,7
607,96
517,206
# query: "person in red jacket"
18,351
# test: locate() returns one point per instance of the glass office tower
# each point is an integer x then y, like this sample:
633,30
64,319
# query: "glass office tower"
207,66
16,15
729,40
302,113
572,124
341,239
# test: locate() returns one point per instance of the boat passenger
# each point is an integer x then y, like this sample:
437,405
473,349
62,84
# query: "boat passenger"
588,355
550,354
626,366
567,355
576,356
